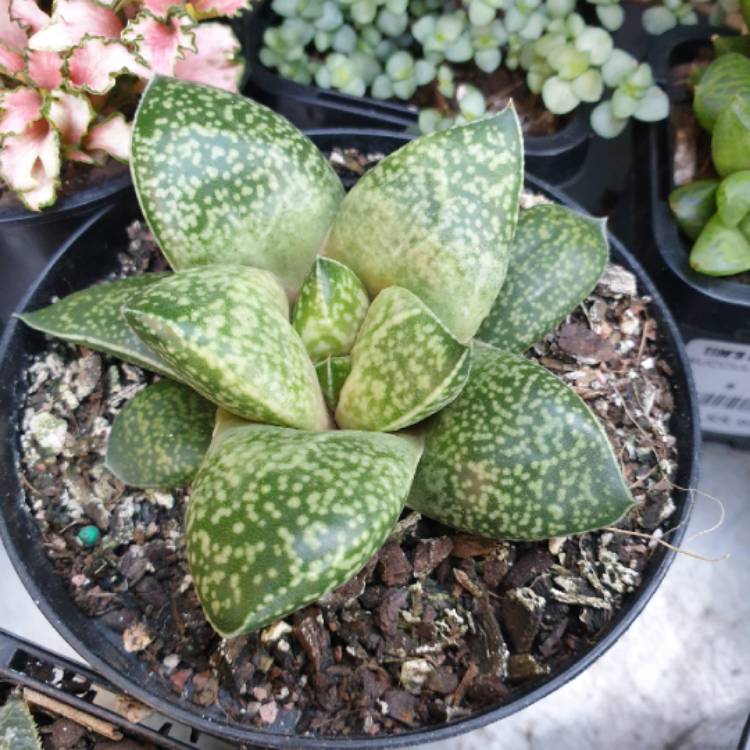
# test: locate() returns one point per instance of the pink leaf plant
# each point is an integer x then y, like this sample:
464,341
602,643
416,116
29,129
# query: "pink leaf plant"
70,78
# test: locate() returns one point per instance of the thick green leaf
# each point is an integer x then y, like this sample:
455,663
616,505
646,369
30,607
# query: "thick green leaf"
518,455
225,330
93,318
223,179
160,438
720,250
437,217
17,727
730,140
726,77
406,365
733,198
279,517
745,10
693,205
332,373
331,306
556,258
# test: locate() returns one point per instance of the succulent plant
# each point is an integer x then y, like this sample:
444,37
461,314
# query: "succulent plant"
660,18
715,213
420,260
17,727
69,78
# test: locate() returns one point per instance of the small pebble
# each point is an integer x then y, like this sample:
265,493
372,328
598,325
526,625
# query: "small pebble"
89,535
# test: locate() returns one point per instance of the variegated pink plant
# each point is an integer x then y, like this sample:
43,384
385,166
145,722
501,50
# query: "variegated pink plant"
69,78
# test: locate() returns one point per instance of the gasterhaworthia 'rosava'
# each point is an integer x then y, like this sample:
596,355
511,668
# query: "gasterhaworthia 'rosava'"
93,318
406,365
518,455
730,139
223,179
556,258
331,306
279,517
720,250
160,438
332,373
437,217
225,330
725,78
693,205
733,198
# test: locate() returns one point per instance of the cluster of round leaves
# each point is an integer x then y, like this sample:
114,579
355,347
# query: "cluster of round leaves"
670,13
390,48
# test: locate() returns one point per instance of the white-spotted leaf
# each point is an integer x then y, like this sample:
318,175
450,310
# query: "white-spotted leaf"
279,517
223,179
556,258
160,438
406,365
93,318
332,373
17,727
436,217
331,306
518,455
225,330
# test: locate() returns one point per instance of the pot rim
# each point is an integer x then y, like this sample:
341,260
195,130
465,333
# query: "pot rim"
181,711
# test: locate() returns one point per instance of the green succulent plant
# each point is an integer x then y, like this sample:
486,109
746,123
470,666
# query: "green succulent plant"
17,727
424,257
715,213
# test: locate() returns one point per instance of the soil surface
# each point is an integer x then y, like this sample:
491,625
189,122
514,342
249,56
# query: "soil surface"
438,625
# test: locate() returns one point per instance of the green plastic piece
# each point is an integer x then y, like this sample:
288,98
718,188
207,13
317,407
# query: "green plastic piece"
720,250
93,318
518,455
693,205
733,198
332,373
89,535
160,438
225,330
730,140
331,306
223,179
726,77
279,517
406,365
17,727
437,217
556,258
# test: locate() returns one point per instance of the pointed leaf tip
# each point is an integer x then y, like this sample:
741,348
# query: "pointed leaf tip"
556,258
436,217
518,455
223,179
279,517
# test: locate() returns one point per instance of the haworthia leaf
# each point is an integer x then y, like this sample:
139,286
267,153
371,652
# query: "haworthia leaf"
223,179
279,517
693,205
406,365
518,455
730,140
437,217
720,250
733,198
93,318
225,330
556,258
160,438
331,306
332,373
725,78
17,728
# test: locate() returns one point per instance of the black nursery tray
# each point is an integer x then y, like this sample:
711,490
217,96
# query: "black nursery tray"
713,313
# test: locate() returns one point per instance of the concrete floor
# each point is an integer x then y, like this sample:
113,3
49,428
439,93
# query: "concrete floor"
679,678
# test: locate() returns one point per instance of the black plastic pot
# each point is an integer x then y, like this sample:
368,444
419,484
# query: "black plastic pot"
556,158
713,313
88,256
28,239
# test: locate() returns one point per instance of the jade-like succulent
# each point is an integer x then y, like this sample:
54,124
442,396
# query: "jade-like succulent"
304,434
716,212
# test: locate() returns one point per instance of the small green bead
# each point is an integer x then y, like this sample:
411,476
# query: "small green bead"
89,535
